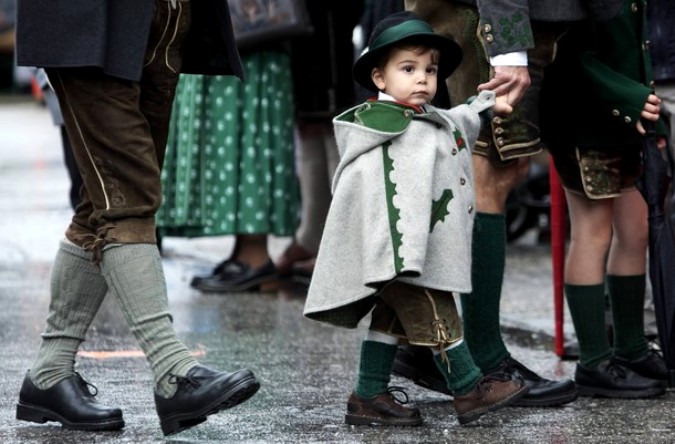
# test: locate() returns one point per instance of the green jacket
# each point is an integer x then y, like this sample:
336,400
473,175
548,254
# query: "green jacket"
602,80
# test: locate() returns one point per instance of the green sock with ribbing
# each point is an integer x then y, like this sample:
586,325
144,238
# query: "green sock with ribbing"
627,298
480,309
77,292
376,362
587,307
135,276
463,374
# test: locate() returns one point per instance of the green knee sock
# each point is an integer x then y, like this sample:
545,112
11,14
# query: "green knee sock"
463,374
77,291
587,307
627,298
135,276
480,309
377,360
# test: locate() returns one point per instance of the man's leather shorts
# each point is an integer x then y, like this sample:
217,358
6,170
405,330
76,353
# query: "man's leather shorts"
507,137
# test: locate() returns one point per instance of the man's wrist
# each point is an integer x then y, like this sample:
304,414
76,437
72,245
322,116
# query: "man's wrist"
518,58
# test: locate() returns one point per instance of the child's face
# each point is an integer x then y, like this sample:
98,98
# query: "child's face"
409,76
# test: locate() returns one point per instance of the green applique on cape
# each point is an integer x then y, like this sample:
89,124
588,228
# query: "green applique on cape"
439,208
393,213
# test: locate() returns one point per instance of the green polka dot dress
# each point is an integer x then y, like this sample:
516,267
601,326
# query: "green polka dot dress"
229,166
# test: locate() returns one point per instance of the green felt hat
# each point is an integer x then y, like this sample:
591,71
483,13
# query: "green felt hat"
406,27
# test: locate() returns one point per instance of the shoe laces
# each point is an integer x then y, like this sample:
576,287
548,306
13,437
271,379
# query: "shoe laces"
616,369
396,389
485,383
656,351
87,385
184,381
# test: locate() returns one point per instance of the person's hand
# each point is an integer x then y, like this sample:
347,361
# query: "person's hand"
651,111
510,82
502,105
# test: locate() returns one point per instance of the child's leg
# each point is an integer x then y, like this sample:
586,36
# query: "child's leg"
430,318
377,357
461,374
372,402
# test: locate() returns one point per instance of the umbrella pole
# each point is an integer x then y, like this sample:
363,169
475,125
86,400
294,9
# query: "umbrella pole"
557,254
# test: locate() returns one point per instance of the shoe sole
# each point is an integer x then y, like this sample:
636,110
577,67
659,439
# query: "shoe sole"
466,418
549,401
411,373
239,392
595,392
40,415
365,420
265,283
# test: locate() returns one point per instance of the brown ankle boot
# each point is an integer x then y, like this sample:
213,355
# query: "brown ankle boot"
492,392
383,409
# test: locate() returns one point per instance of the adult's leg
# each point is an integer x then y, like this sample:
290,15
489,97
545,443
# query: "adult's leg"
52,390
597,373
317,160
501,161
118,129
77,292
121,174
317,156
591,232
626,283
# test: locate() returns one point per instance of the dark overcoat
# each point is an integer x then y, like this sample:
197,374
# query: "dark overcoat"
113,35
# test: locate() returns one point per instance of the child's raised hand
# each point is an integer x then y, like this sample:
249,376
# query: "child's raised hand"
502,105
510,81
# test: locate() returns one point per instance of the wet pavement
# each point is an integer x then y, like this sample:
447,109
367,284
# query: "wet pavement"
307,369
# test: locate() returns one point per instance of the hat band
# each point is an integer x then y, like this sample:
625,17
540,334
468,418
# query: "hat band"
401,31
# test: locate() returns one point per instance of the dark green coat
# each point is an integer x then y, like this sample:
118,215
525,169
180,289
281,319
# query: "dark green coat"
601,81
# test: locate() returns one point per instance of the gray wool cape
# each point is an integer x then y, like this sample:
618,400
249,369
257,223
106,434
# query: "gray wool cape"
402,208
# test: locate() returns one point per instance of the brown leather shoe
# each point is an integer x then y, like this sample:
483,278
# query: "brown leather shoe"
383,409
492,392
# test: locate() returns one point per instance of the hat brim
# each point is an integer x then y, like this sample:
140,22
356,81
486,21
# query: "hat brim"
450,57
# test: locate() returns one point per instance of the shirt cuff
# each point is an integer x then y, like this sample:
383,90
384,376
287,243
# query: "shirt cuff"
518,58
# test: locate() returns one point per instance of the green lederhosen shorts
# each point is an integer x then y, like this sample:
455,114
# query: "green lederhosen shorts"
419,315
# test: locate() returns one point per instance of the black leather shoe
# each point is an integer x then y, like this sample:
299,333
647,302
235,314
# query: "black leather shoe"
651,366
542,392
417,364
69,402
239,277
612,380
225,266
200,393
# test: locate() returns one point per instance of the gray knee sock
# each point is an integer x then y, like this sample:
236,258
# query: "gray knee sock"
135,276
77,291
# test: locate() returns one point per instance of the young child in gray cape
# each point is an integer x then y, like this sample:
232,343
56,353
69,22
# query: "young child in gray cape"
397,240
